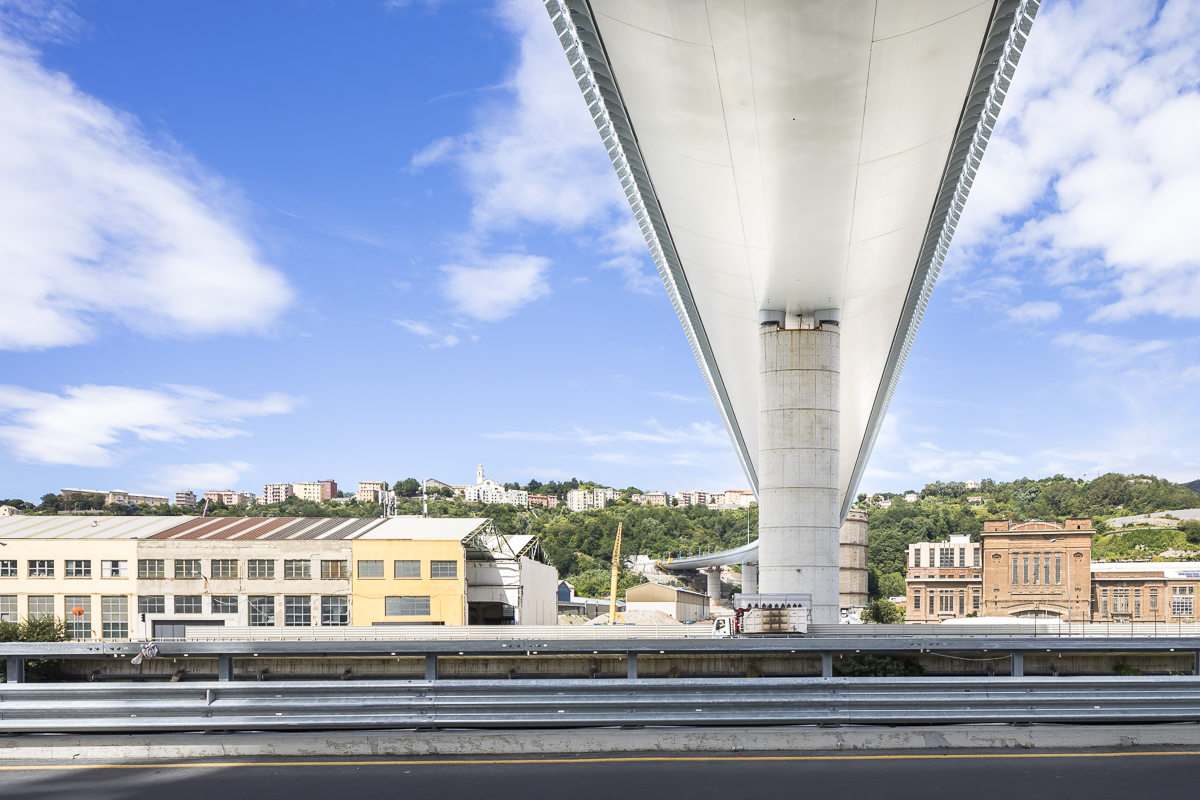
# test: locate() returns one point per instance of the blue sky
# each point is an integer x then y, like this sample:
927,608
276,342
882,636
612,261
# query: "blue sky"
257,242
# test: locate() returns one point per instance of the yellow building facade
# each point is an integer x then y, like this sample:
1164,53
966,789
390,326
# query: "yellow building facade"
408,582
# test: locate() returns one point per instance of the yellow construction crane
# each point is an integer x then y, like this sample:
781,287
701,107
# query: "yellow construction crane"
612,594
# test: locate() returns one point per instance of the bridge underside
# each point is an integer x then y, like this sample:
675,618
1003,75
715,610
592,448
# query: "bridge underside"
801,165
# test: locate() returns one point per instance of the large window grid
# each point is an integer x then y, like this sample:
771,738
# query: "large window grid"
443,569
79,616
8,568
224,604
114,569
224,568
77,569
39,568
916,557
407,569
8,607
152,568
1037,568
370,569
152,604
1015,571
187,568
262,610
41,605
335,611
258,569
114,617
917,600
406,606
1058,569
297,569
334,570
189,604
297,610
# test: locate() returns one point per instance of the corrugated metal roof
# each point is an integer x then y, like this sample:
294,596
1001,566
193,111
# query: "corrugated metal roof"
425,528
89,527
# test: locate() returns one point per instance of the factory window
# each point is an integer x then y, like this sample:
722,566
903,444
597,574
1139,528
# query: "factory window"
8,607
79,616
976,551
187,568
41,605
370,569
188,604
1104,602
262,610
8,568
1154,599
152,604
443,569
962,602
916,557
1015,572
917,600
1120,600
41,569
1181,606
297,569
114,617
297,610
224,567
1046,567
945,556
1037,568
975,601
1137,603
260,569
962,556
406,606
225,604
152,568
335,611
114,569
333,570
77,569
407,569
1058,569
1025,569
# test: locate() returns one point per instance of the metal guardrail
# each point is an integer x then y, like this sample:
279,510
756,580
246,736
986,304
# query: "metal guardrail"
444,633
593,703
1026,629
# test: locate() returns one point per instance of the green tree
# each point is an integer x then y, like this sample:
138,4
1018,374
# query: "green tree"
882,612
892,585
409,487
1191,528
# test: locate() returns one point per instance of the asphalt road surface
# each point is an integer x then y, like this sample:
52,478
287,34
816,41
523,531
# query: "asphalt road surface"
1127,774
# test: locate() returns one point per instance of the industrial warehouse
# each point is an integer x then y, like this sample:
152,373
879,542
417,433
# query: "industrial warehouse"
152,577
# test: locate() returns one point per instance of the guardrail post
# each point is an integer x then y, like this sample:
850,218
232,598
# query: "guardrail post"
224,668
631,666
430,667
16,669
1018,665
826,665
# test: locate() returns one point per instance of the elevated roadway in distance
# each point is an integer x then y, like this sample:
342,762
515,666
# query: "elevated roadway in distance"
797,170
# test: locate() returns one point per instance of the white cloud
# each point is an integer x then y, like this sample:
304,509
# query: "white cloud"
427,331
534,157
696,433
494,287
205,477
1035,312
85,425
97,225
1094,171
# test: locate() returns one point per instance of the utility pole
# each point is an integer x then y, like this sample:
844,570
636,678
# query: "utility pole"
424,499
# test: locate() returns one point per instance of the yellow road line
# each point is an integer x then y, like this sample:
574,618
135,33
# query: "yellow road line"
586,760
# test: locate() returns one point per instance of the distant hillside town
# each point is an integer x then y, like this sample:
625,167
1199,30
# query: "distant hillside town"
572,495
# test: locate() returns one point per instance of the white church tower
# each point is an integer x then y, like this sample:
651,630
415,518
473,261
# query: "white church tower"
479,475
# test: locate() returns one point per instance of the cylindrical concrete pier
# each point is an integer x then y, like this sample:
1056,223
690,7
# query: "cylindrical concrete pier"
749,578
714,585
799,401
